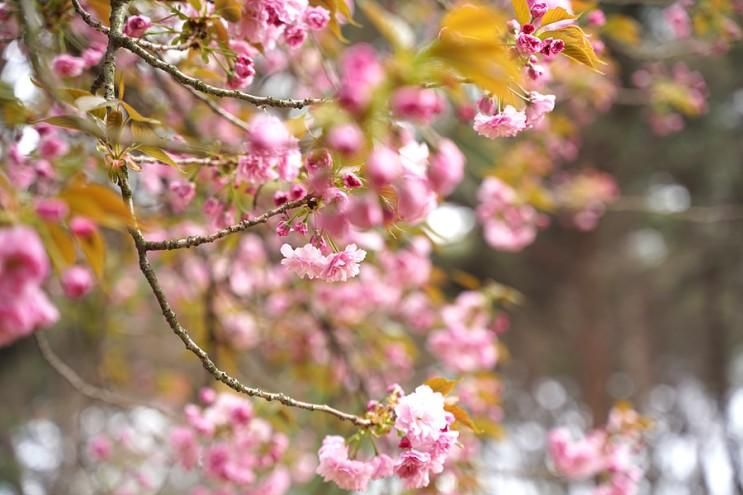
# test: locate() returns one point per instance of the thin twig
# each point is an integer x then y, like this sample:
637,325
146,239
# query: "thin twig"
229,117
196,240
138,48
83,387
191,345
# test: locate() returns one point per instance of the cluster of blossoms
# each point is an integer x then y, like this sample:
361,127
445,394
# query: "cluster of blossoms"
308,261
611,453
266,22
36,169
236,451
469,341
508,223
584,196
682,92
426,443
24,265
492,122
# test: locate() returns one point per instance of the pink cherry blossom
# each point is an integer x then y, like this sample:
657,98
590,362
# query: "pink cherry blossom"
337,467
316,18
346,138
415,103
82,227
415,198
136,25
343,265
538,106
508,224
421,414
77,281
306,261
68,66
23,260
446,168
413,467
51,209
506,123
383,166
465,349
577,459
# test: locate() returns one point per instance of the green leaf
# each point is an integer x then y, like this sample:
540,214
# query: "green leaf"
444,386
157,154
522,11
556,15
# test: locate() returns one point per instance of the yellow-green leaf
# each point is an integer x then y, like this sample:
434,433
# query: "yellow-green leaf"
395,30
521,10
94,250
231,10
60,245
444,386
622,28
556,15
157,154
462,417
577,45
97,202
66,121
470,44
136,116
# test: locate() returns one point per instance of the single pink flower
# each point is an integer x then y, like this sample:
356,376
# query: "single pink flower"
343,265
68,66
306,261
316,18
136,25
538,106
506,123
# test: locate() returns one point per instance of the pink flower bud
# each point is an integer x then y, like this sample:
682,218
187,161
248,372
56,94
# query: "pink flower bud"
316,18
67,66
415,199
51,209
82,227
596,18
351,181
446,168
136,25
538,10
383,166
77,282
280,197
346,138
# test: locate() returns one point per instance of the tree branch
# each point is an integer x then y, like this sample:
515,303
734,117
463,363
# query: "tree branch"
83,387
196,240
191,345
138,48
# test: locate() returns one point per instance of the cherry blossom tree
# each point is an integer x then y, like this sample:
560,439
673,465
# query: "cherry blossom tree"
245,176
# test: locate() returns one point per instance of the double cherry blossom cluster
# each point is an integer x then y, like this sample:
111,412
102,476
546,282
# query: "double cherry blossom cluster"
611,454
425,443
